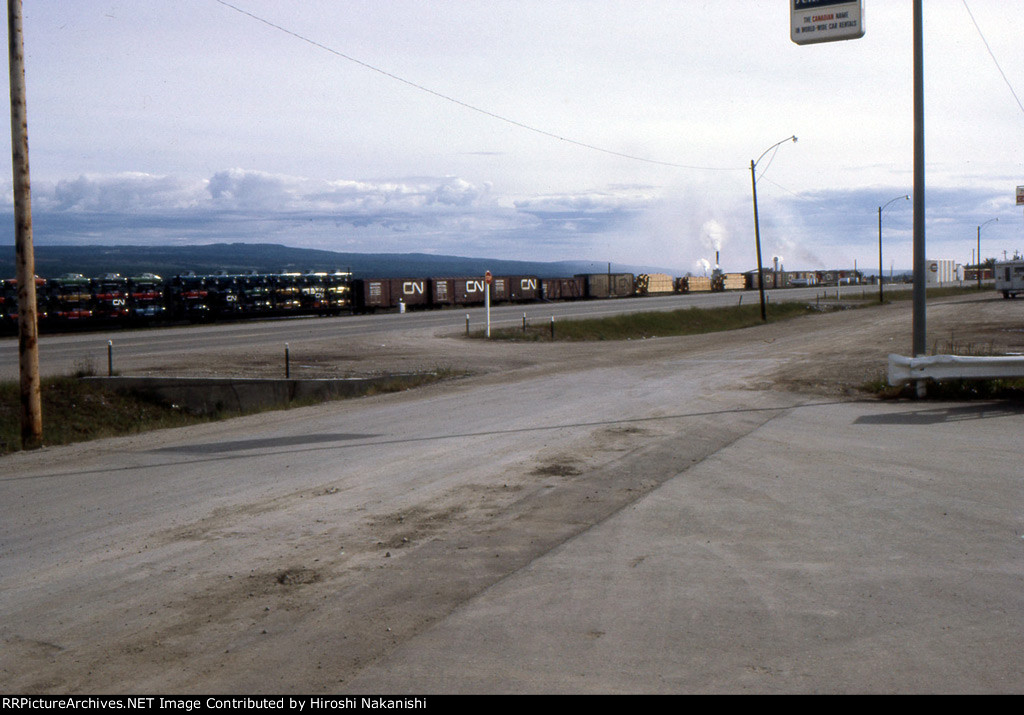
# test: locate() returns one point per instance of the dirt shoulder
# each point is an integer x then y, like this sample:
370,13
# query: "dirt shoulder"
834,353
290,551
851,348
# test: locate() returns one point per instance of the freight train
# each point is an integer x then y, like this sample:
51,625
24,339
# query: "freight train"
75,301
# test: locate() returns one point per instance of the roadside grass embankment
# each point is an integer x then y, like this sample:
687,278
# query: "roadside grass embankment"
76,410
654,324
1007,389
950,390
695,321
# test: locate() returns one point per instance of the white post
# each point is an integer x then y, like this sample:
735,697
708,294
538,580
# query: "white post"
487,303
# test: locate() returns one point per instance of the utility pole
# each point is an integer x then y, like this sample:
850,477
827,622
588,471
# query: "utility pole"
757,242
28,328
881,277
979,248
920,342
881,294
757,224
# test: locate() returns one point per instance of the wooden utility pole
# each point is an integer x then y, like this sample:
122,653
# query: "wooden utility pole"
28,328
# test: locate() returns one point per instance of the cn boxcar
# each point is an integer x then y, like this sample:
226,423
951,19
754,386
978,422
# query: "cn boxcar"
608,285
469,291
371,294
383,293
522,288
410,291
563,288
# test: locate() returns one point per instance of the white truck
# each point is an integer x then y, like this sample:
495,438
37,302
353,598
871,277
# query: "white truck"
1010,277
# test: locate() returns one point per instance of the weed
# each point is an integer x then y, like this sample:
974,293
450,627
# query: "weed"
642,326
951,390
76,410
84,367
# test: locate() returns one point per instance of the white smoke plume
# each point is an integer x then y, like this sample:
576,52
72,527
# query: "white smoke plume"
713,234
685,226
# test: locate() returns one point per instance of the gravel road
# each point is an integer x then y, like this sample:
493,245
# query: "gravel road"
293,551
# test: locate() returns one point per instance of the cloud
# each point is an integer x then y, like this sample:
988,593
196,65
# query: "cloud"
257,190
426,214
241,189
624,200
679,227
683,226
830,228
123,192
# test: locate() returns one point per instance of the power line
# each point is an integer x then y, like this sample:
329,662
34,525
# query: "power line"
789,191
770,160
993,56
466,105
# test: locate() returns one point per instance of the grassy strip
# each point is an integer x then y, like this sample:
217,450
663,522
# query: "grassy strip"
400,383
75,411
906,292
655,324
951,390
79,411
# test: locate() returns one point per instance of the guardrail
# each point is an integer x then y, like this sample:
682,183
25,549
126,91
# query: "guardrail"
954,367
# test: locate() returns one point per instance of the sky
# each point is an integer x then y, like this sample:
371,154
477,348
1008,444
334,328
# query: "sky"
594,130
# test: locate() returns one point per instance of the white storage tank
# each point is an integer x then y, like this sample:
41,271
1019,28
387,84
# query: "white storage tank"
942,270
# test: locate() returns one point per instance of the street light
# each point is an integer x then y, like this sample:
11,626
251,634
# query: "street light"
979,248
757,226
881,298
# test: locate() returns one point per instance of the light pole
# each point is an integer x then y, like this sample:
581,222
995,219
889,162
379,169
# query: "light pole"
920,316
881,298
757,226
979,248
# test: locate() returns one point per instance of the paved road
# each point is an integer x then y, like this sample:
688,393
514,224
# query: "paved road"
646,519
68,353
819,553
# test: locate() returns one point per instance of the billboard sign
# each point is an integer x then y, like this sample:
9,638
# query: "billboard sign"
814,21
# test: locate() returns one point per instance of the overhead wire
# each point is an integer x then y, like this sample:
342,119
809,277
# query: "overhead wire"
466,105
787,190
775,150
993,56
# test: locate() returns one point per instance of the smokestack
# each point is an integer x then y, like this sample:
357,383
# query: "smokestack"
716,260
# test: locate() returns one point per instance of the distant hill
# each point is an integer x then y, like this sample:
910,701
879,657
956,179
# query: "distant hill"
52,261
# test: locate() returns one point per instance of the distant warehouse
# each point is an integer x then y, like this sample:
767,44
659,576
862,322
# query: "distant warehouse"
943,270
